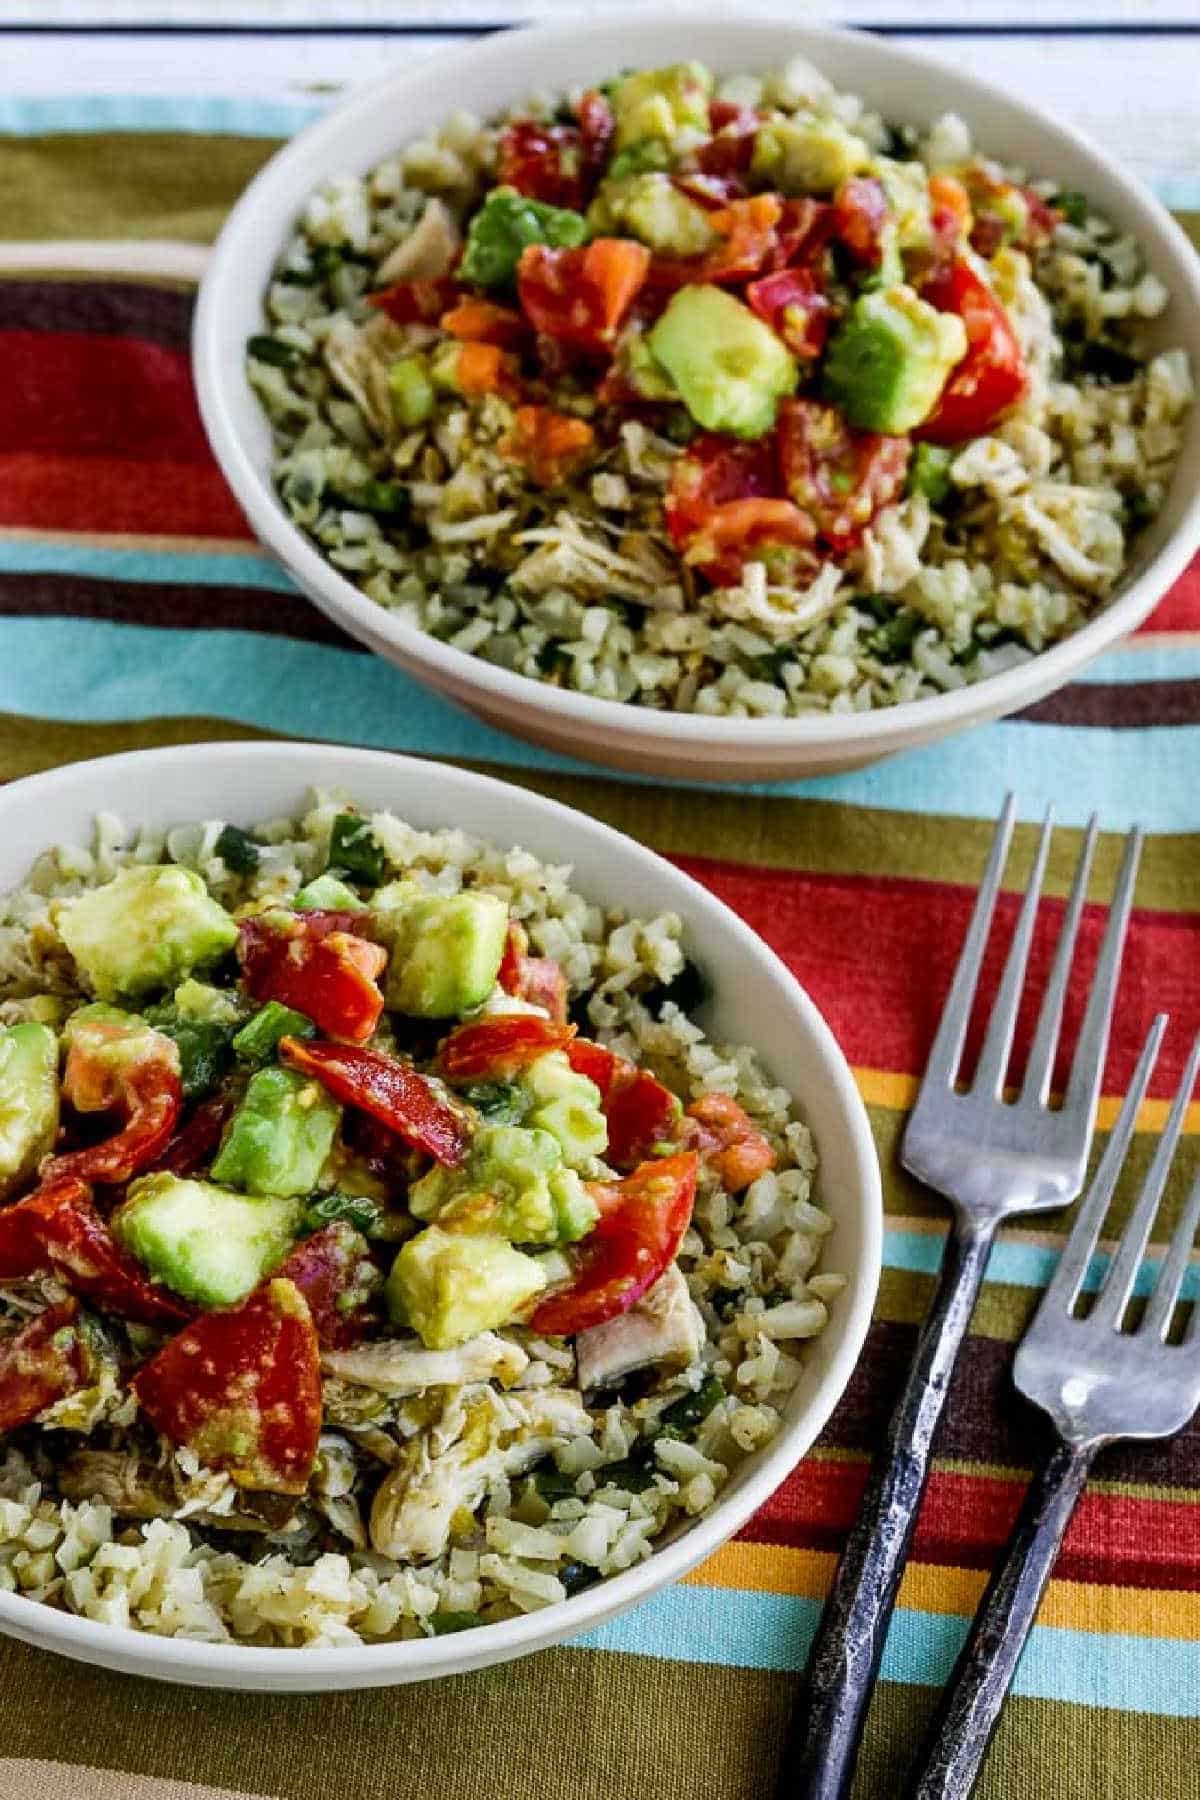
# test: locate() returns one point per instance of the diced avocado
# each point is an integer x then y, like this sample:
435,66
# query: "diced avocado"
929,472
514,1182
506,224
354,849
28,1102
145,929
280,1135
730,369
659,103
210,1005
203,1242
568,1106
450,1286
807,155
906,189
446,954
635,159
413,397
443,366
259,1037
326,894
652,208
889,361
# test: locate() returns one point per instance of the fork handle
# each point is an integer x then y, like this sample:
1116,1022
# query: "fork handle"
970,1706
849,1644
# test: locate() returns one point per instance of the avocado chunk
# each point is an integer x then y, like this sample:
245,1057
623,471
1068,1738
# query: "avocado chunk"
450,1286
446,954
208,1005
146,928
280,1135
201,1241
28,1102
568,1106
514,1182
505,225
807,155
326,894
888,363
659,103
730,369
650,207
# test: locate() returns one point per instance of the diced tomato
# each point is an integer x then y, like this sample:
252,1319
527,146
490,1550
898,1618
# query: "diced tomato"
794,303
392,1091
749,229
723,113
860,212
195,1140
642,1114
243,1390
991,377
730,150
498,1048
723,509
712,191
334,1271
546,162
597,127
483,322
643,1220
581,296
774,532
487,369
516,947
58,1228
839,477
712,470
1041,221
43,1362
949,195
417,302
538,979
145,1090
547,444
721,1132
318,967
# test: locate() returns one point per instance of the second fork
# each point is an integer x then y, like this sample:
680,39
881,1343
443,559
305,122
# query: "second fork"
992,1160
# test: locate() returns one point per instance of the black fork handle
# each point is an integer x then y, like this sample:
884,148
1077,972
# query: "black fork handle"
969,1710
849,1642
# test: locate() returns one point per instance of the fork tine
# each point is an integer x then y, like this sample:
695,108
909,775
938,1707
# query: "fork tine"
997,1044
1118,1286
1162,1301
1063,1287
1091,1049
1040,1068
946,1053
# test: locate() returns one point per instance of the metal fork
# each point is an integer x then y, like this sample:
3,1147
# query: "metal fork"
1098,1382
991,1159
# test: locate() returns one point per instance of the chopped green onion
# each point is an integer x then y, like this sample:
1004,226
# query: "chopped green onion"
690,1410
929,472
440,1623
358,1210
355,850
1072,205
237,850
259,1037
273,350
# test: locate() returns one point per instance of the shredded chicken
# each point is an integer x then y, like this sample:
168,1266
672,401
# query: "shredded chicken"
662,1328
403,1366
428,251
566,556
358,358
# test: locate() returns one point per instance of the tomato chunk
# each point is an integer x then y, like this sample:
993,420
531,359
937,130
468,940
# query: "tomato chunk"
538,979
334,1271
243,1390
991,377
642,1114
498,1048
721,1131
417,302
641,1227
724,509
45,1361
195,1140
860,213
546,162
596,128
581,296
483,322
147,1091
839,477
312,962
794,304
393,1092
749,234
546,443
58,1228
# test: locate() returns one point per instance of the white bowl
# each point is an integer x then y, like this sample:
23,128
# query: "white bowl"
905,86
754,1000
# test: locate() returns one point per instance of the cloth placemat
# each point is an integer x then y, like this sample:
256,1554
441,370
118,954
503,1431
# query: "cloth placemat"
138,610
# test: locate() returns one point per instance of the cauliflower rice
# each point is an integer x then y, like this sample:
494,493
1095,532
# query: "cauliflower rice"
579,582
508,1488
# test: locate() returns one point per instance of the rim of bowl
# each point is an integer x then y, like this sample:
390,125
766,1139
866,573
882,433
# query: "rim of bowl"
930,717
433,1656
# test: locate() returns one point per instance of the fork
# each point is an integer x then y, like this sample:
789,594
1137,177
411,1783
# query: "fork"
1099,1382
991,1159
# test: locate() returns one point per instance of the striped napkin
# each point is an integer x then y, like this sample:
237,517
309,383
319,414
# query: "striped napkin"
138,611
